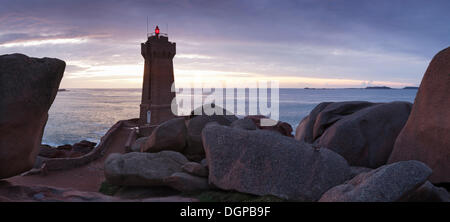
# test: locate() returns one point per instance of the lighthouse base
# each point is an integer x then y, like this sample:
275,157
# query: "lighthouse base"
155,114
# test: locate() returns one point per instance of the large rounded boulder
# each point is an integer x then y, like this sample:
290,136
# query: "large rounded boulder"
323,116
385,184
28,87
212,109
363,133
142,169
261,162
426,135
428,193
199,118
170,135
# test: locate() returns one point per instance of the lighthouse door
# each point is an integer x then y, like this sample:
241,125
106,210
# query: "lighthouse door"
149,115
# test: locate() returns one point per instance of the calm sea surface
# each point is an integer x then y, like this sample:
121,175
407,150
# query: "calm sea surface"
79,114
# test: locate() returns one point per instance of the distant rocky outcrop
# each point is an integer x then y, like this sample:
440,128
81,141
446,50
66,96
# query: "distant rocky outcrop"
28,87
426,135
52,152
378,87
83,147
362,132
67,151
388,183
410,87
264,163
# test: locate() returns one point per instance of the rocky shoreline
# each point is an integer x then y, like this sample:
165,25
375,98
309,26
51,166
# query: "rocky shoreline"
353,151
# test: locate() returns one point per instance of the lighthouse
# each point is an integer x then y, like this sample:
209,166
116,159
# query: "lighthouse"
157,95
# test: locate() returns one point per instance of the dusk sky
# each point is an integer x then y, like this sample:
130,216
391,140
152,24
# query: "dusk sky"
309,43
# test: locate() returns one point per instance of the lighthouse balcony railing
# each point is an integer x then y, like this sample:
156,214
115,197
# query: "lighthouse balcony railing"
160,34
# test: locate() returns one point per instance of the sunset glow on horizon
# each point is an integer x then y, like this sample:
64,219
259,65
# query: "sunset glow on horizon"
316,46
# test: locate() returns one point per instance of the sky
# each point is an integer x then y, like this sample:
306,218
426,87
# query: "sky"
303,43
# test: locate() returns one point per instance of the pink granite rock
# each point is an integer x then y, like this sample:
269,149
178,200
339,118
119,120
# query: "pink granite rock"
261,162
426,135
28,87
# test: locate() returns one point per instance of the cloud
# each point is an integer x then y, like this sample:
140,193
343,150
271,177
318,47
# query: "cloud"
193,56
75,68
357,40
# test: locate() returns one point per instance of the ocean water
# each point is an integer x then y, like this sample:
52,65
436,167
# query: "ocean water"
86,114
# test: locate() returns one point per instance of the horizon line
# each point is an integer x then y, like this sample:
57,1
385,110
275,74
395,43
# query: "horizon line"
307,88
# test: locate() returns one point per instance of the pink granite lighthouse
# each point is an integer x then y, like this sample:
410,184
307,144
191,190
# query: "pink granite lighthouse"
157,96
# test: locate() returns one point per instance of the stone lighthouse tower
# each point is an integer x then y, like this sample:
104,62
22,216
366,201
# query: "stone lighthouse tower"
157,96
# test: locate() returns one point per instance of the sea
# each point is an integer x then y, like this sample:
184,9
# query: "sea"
87,114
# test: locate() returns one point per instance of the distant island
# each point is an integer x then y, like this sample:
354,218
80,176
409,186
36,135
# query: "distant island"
62,90
411,87
316,88
368,87
378,87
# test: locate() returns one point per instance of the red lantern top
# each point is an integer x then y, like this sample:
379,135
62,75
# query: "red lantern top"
157,30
